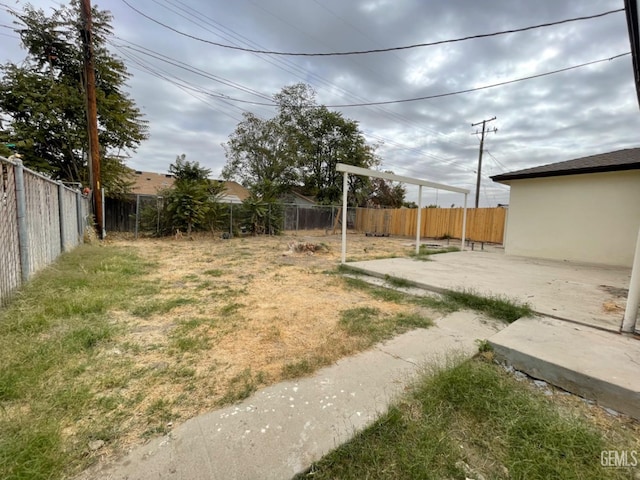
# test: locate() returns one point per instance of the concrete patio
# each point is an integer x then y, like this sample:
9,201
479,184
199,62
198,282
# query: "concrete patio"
592,295
572,343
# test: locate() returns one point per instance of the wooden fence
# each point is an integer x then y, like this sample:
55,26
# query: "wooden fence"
483,224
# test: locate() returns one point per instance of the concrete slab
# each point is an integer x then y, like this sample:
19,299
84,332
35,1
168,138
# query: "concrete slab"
282,429
594,364
591,294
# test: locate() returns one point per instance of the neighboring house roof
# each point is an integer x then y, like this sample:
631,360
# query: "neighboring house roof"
234,192
628,159
150,183
296,198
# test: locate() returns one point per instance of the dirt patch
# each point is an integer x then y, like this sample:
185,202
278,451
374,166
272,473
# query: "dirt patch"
231,316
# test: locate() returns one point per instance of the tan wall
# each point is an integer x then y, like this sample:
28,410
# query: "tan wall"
483,224
590,218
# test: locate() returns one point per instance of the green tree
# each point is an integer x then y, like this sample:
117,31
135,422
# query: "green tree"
299,146
42,100
192,202
386,193
257,157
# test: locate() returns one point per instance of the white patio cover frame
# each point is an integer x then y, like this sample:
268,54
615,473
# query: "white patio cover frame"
350,169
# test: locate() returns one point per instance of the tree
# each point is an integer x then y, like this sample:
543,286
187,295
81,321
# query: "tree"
300,147
42,100
386,193
257,158
192,202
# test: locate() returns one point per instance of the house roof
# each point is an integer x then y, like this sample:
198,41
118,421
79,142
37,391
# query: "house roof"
628,159
150,183
633,27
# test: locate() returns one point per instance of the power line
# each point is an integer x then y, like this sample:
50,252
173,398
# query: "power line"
364,52
468,90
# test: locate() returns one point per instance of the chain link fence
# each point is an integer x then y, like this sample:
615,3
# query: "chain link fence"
39,219
142,214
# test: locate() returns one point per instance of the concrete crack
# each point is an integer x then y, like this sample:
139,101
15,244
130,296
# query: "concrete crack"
397,357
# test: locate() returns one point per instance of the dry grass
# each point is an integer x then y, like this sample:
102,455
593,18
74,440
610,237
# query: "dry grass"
233,315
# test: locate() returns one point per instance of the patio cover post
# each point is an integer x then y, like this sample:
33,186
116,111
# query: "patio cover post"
342,167
419,219
345,190
464,222
633,298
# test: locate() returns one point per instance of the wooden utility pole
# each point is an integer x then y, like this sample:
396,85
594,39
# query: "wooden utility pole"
92,113
483,122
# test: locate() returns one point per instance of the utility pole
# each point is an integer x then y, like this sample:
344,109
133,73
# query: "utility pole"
484,123
92,113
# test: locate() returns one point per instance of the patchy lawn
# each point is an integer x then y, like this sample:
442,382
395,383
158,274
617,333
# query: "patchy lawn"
121,341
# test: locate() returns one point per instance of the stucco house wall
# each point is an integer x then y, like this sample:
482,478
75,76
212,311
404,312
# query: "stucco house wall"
591,217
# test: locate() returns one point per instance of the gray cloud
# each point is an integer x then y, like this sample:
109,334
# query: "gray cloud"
567,115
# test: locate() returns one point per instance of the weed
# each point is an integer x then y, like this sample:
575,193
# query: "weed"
424,252
240,387
498,307
160,306
397,282
373,327
216,272
297,369
471,415
230,309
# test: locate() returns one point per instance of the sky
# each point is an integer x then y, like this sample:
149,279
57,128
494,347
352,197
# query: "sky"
579,112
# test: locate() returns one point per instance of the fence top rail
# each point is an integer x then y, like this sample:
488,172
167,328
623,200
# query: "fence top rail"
37,174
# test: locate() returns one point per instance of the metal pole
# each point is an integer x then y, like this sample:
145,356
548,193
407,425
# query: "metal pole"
79,216
345,189
61,214
633,298
104,232
419,219
464,223
297,217
137,214
23,231
230,220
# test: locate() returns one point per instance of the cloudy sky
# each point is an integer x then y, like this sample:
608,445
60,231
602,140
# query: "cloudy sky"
194,108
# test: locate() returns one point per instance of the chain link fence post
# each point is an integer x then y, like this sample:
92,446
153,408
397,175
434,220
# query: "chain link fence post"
61,216
23,239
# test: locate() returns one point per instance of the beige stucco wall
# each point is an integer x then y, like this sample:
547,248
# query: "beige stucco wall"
590,218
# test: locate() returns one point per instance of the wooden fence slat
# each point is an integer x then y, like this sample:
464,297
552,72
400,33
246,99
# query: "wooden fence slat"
483,224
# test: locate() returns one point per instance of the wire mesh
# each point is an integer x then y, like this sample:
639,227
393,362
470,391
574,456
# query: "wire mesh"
43,222
10,276
69,219
48,205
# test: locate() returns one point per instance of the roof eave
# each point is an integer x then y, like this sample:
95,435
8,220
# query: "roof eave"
561,173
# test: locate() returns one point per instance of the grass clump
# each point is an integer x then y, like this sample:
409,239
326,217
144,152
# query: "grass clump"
160,306
466,421
372,326
425,252
500,308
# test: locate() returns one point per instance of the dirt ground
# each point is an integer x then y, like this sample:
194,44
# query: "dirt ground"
249,312
234,315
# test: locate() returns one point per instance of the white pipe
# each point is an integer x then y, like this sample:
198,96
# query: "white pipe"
345,189
633,298
464,222
419,219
